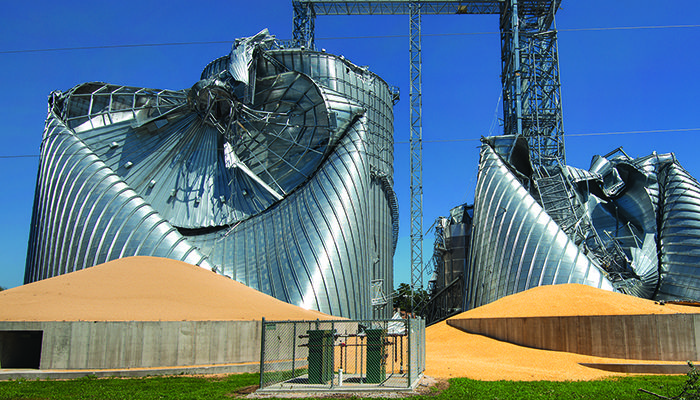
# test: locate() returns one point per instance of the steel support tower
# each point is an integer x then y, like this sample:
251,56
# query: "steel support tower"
416,146
530,77
529,74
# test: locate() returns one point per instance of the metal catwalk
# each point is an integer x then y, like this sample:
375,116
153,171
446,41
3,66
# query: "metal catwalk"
275,169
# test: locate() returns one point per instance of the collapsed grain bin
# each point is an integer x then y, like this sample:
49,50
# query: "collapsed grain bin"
274,169
630,225
450,260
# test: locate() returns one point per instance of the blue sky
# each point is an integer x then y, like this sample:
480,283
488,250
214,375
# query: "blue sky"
613,80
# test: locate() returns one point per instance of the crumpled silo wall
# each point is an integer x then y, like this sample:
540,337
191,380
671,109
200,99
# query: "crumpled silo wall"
516,245
274,169
627,224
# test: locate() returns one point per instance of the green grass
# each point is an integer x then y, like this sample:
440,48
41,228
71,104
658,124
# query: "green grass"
134,388
231,387
625,388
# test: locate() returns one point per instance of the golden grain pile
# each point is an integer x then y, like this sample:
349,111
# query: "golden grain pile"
453,353
571,299
144,289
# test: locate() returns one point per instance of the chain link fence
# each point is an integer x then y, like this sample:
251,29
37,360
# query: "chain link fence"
352,354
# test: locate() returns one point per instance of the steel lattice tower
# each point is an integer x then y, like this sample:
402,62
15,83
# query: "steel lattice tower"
304,28
530,77
416,145
529,71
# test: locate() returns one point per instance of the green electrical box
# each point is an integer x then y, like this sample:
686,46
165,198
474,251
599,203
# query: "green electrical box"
376,363
320,356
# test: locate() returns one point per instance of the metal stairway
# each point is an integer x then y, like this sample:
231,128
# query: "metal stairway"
559,202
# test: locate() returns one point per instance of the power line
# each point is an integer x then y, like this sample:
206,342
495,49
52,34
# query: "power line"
438,141
572,135
115,46
634,132
626,28
614,28
133,45
21,156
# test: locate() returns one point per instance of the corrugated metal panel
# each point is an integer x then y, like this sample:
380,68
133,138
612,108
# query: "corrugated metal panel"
282,181
515,244
630,225
85,214
680,233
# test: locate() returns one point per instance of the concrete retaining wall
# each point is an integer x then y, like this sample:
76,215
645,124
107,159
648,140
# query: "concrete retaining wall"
665,337
142,344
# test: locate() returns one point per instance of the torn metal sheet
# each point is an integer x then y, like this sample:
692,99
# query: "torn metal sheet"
627,224
515,244
274,168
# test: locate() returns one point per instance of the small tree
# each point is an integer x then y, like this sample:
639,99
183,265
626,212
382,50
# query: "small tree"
402,298
691,389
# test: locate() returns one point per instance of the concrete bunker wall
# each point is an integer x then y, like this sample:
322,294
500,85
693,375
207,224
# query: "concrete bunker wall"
664,337
136,344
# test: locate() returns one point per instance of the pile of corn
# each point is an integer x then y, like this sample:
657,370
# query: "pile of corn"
143,289
453,353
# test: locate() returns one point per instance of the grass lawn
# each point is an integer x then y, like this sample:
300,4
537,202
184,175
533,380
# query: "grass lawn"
232,386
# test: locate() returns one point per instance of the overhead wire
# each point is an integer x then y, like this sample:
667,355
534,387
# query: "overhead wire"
570,135
113,46
196,43
134,45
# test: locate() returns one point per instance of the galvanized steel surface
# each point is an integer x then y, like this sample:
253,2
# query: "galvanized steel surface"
529,72
521,238
274,169
516,245
679,236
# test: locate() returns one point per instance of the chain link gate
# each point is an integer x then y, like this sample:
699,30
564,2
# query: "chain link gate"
342,354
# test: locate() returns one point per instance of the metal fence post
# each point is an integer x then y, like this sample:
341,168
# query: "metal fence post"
410,359
294,348
262,351
332,351
422,330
